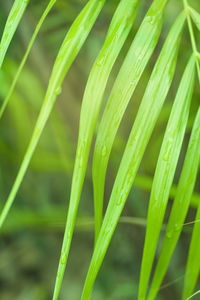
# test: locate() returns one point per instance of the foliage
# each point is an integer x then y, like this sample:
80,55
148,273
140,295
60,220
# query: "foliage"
141,48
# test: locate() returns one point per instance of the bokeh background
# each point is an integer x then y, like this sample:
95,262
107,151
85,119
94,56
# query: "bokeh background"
31,238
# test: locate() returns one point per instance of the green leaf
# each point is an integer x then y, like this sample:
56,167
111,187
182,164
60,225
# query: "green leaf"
67,53
180,207
195,17
118,31
124,86
165,170
45,13
193,262
12,22
148,113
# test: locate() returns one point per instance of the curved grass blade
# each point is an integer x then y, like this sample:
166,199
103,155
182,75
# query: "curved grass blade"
193,261
12,22
118,31
45,13
147,115
180,207
124,86
165,170
67,53
195,17
126,12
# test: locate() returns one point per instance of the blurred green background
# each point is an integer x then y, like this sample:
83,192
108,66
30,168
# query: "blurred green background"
32,235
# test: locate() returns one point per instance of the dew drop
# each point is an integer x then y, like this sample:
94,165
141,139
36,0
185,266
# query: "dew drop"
101,61
80,162
132,83
116,36
166,156
63,259
107,230
168,149
129,179
81,148
58,90
140,57
177,227
104,150
197,55
150,19
80,154
120,199
169,234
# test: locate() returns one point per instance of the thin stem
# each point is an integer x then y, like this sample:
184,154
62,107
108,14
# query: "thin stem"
198,292
45,13
192,37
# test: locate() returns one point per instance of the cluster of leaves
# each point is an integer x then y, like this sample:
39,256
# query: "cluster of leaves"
133,66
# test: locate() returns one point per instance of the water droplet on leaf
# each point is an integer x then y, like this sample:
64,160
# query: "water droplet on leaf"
104,150
168,149
58,90
100,62
169,234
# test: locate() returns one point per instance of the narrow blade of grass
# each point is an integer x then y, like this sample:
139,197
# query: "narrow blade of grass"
67,53
45,13
164,173
149,110
195,17
180,207
119,28
193,261
12,22
124,86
